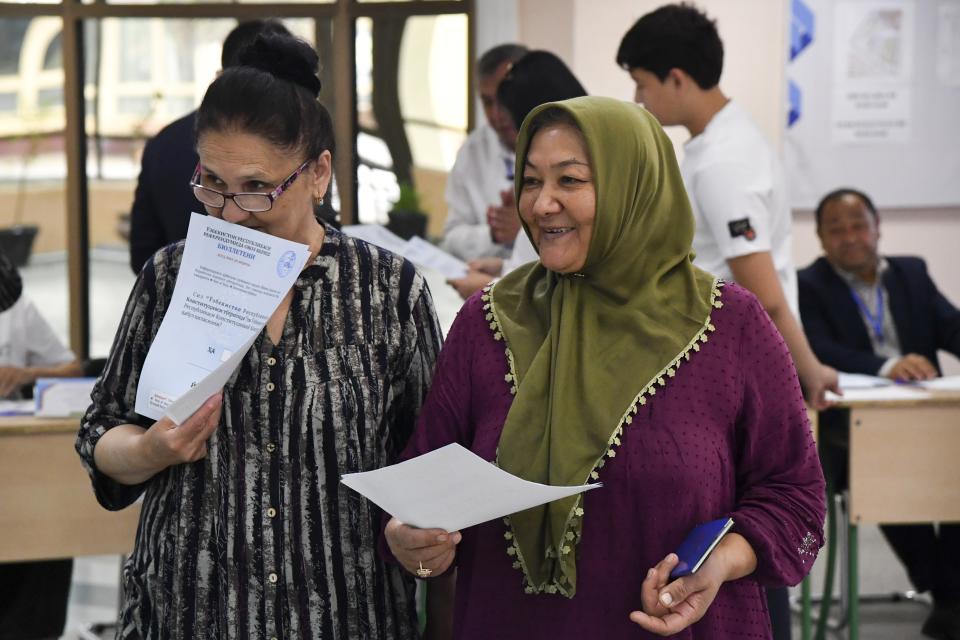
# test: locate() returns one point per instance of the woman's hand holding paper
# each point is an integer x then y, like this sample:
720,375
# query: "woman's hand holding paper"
422,550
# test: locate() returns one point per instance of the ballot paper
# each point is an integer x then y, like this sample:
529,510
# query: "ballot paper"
377,234
230,282
416,250
16,407
861,381
946,383
452,488
880,394
62,397
422,253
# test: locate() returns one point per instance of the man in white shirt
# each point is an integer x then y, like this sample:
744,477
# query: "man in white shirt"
734,180
482,176
33,595
29,349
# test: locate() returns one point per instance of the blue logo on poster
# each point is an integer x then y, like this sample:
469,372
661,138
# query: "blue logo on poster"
795,100
801,27
285,264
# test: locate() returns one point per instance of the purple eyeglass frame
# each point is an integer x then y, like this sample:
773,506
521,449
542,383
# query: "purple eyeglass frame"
272,195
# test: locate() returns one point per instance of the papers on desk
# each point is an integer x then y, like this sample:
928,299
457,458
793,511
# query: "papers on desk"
377,234
880,394
850,381
230,282
416,250
859,387
946,383
420,252
16,407
62,397
452,488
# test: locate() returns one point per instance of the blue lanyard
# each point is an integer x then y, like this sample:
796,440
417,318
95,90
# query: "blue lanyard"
875,320
509,164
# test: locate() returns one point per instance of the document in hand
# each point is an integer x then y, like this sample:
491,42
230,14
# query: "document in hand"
452,488
230,282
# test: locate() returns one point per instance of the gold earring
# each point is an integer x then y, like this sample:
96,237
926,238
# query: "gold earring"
318,200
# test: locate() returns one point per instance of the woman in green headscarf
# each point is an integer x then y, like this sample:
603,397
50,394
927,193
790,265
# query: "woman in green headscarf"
615,359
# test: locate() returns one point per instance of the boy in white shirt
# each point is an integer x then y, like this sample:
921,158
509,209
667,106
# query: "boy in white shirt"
733,178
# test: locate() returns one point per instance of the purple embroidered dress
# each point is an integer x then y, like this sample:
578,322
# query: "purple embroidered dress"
726,436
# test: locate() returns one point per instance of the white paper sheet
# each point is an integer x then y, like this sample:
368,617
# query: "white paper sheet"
62,397
946,383
880,394
452,488
16,407
376,234
417,250
862,381
422,253
231,280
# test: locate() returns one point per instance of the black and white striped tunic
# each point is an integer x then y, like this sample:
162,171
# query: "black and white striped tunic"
259,540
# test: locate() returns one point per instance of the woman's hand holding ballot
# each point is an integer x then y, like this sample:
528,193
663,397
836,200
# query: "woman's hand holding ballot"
670,608
131,455
422,552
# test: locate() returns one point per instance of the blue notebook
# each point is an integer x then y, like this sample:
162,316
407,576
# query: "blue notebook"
695,549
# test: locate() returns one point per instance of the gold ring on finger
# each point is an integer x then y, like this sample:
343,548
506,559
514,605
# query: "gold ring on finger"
422,572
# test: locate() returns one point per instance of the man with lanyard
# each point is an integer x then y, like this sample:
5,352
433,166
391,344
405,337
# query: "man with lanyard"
481,217
883,316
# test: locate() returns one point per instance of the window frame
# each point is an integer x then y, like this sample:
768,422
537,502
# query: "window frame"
342,13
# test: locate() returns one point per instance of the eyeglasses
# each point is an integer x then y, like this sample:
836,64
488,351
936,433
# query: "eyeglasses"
250,202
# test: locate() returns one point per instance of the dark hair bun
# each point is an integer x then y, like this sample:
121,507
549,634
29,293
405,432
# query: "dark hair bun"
284,57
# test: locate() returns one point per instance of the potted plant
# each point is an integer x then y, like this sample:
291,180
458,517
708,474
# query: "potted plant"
407,219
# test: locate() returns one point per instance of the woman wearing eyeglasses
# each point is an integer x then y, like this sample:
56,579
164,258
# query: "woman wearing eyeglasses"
245,531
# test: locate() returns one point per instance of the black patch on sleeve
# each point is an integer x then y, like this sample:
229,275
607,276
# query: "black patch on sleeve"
741,227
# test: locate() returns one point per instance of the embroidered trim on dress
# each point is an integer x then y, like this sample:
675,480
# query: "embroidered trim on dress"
574,524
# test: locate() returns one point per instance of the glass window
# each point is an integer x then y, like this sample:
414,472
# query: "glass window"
411,109
12,31
54,56
204,1
33,165
130,100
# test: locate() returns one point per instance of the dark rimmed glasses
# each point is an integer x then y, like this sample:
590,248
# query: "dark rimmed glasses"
251,202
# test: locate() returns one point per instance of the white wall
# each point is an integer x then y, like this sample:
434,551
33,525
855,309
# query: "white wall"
495,22
586,34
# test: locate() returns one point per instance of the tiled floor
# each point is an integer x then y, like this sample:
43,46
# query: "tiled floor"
94,593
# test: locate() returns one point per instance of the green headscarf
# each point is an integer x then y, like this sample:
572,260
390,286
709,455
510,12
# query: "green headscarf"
586,349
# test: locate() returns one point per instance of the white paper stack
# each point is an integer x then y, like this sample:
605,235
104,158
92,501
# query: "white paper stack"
62,397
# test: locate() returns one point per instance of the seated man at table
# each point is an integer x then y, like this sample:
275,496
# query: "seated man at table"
481,217
884,316
866,313
29,349
33,595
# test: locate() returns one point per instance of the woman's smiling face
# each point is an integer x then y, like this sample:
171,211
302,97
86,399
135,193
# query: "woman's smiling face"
557,197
